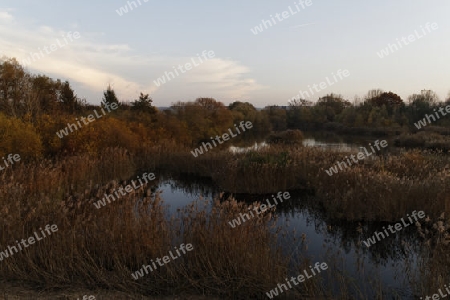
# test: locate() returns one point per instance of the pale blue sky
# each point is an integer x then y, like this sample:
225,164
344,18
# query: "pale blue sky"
133,50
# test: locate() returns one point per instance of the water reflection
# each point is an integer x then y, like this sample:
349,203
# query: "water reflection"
255,146
330,146
308,142
325,239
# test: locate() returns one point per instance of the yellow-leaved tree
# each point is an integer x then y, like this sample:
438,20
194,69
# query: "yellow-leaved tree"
18,137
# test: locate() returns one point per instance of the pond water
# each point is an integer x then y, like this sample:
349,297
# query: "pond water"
336,242
340,146
325,141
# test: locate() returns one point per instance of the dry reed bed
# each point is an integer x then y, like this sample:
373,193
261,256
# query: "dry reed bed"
100,248
382,188
388,188
433,266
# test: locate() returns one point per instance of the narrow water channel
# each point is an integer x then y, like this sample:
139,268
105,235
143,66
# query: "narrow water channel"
339,243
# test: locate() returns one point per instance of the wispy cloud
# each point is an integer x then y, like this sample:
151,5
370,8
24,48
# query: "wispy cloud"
221,78
84,61
92,64
6,17
229,78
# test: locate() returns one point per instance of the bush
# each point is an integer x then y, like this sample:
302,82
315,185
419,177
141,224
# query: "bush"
19,137
423,139
288,137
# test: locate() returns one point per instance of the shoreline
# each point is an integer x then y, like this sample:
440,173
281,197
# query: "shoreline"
25,291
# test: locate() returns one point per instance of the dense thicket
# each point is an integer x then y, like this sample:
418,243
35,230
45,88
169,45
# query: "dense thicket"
34,107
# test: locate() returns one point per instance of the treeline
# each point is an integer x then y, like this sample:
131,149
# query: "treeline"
378,110
33,108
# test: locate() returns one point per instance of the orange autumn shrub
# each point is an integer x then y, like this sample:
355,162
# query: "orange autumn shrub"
18,137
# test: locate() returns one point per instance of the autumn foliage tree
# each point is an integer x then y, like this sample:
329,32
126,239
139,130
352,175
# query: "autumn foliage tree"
333,105
12,83
389,99
18,137
205,117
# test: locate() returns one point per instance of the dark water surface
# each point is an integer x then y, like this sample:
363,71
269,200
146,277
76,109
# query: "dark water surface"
338,243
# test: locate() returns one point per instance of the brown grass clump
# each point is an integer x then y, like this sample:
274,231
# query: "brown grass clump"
288,137
380,188
389,186
235,260
424,139
100,248
434,261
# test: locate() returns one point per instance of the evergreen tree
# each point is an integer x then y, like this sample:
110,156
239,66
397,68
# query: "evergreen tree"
144,104
109,97
68,98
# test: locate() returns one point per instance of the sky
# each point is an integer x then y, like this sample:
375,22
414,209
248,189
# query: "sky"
303,46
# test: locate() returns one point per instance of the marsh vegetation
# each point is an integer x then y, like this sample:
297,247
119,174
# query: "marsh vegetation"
58,180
